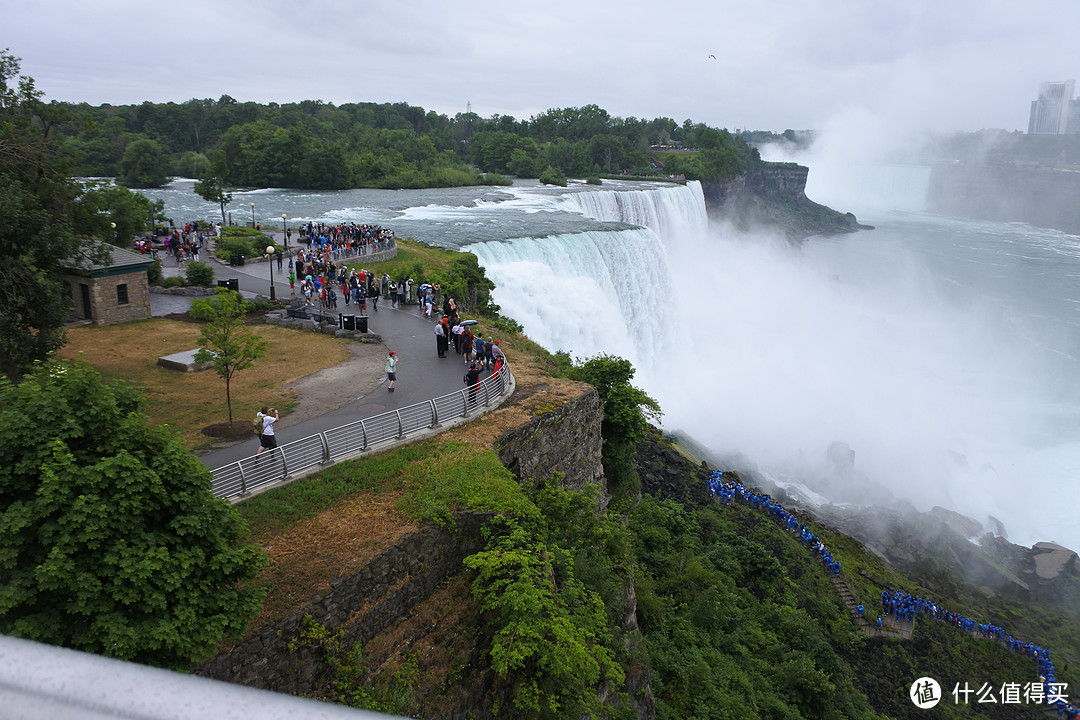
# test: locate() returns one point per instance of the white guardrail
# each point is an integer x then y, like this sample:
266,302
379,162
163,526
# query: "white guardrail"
243,477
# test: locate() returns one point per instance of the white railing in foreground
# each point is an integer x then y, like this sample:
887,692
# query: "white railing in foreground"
245,476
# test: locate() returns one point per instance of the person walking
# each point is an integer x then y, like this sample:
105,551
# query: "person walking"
472,379
440,339
267,440
467,345
391,370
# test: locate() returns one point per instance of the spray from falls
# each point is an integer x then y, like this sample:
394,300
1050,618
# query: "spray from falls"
791,358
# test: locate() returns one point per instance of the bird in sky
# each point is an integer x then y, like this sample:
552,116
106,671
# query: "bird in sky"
713,57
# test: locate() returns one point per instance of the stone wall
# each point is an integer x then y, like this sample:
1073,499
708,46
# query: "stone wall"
364,603
563,439
105,308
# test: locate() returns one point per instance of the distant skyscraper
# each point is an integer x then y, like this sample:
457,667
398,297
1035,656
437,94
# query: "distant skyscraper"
1050,113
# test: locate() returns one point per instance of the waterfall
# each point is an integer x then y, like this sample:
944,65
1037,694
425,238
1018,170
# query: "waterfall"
585,293
667,211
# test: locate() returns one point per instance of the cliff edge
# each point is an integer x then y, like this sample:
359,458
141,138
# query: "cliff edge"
772,197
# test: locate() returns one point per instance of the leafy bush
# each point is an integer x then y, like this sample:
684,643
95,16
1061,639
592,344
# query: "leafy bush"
153,273
112,542
199,273
551,176
175,281
593,180
495,179
233,231
248,246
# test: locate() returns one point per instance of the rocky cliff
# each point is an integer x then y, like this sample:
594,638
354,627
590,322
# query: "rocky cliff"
413,599
773,198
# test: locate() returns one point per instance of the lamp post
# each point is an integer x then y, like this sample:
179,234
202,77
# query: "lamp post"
113,226
252,215
270,258
284,231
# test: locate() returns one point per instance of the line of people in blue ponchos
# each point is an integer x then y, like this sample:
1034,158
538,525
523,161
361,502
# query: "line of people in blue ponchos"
900,604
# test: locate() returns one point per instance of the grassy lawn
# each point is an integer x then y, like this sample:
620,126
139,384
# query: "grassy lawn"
191,401
409,253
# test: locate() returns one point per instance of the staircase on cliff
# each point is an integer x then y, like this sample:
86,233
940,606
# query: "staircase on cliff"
891,627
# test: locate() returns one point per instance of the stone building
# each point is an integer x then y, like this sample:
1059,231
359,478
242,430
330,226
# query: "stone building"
115,291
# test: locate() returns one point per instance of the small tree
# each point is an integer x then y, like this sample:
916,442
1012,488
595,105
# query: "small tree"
211,186
111,541
224,340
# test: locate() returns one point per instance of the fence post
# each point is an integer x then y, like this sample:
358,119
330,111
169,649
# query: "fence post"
325,447
464,403
434,414
400,425
243,479
363,436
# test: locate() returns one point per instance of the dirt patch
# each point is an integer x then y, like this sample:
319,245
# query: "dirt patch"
321,392
229,431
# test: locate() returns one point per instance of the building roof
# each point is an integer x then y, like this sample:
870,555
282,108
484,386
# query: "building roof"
119,260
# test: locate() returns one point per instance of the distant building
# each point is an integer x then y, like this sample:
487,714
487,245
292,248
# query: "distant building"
1056,111
115,291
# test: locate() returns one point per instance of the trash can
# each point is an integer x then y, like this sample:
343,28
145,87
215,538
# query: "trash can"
236,259
361,323
347,322
234,283
223,283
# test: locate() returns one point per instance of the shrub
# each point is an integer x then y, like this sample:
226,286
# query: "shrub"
495,179
199,273
551,176
171,282
153,273
593,180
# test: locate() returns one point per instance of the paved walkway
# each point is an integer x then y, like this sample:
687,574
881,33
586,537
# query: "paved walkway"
422,374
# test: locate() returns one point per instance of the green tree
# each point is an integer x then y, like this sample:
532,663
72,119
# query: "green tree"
111,541
144,165
211,186
225,340
37,234
103,205
627,411
191,164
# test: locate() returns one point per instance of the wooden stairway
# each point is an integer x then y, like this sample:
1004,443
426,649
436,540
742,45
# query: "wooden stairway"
891,627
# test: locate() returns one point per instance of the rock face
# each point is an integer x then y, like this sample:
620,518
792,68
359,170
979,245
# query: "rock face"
363,604
565,439
773,198
375,601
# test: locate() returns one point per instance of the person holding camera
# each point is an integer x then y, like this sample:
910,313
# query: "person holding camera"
268,441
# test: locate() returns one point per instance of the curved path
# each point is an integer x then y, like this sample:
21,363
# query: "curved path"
422,374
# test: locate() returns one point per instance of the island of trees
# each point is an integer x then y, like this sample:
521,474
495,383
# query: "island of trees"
317,145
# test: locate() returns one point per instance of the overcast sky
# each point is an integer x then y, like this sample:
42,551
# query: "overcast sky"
937,64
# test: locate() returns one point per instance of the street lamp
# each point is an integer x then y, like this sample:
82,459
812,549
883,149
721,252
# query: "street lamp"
284,231
270,258
113,226
252,215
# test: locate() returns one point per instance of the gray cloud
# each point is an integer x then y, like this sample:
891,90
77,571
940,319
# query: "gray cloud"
960,64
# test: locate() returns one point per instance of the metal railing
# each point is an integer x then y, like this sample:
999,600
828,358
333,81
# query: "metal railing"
243,477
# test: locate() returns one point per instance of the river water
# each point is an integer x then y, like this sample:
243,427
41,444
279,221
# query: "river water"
941,354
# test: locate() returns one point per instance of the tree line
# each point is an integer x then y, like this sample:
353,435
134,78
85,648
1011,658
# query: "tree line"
317,145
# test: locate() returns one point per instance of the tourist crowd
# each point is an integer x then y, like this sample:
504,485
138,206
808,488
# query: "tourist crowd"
904,606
